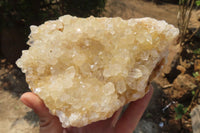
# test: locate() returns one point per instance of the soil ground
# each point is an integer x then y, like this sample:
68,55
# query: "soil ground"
16,118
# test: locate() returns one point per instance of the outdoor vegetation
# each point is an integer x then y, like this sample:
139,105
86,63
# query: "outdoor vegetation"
17,16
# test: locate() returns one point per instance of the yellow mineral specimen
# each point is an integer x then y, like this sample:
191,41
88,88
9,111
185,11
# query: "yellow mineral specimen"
87,68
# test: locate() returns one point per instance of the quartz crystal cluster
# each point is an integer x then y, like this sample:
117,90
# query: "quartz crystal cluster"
85,69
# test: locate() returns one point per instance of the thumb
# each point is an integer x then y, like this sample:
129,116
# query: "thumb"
48,122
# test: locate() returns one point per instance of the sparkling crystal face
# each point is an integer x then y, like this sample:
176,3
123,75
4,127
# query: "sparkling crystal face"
86,69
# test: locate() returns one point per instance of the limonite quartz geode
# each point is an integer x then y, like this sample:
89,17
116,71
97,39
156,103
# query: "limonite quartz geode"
85,69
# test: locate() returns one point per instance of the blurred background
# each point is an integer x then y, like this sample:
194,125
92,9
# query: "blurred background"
176,89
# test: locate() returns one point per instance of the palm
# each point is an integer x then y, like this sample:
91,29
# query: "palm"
126,124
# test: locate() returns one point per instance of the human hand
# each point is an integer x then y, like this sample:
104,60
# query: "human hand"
126,124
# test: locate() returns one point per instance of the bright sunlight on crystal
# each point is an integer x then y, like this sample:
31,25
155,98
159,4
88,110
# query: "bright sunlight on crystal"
85,69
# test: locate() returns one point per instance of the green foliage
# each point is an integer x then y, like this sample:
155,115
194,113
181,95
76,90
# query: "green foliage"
193,92
180,110
184,1
198,2
195,74
196,51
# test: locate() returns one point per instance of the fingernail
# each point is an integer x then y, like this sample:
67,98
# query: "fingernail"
149,88
116,117
25,102
114,121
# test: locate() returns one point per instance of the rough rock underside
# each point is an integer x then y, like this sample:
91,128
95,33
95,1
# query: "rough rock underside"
86,69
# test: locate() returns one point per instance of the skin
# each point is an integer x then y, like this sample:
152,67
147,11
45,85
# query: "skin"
125,124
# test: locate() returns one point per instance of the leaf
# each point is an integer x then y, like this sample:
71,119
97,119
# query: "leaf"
185,110
193,92
198,2
195,74
178,117
180,110
197,51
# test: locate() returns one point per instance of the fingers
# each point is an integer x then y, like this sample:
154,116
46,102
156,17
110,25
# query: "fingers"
132,115
115,117
48,122
34,102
